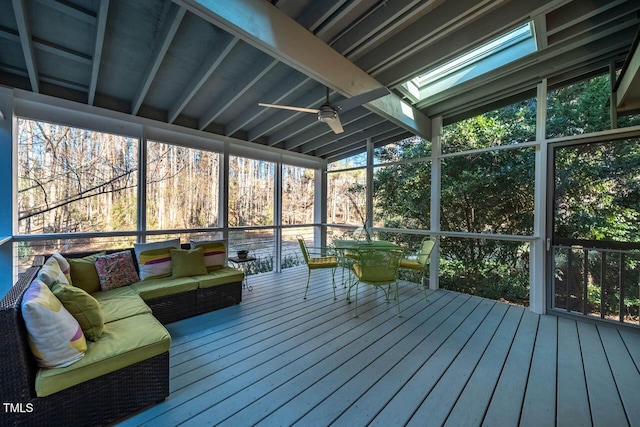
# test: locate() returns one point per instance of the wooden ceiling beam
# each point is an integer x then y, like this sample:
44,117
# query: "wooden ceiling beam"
311,99
278,94
355,138
24,30
351,129
235,90
169,30
101,28
320,129
209,65
265,27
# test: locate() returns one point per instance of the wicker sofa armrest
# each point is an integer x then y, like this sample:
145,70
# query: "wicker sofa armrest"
18,368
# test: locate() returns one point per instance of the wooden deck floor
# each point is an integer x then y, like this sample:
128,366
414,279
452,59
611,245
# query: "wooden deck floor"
456,360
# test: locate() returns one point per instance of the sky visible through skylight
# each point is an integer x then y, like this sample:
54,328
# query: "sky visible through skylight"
504,49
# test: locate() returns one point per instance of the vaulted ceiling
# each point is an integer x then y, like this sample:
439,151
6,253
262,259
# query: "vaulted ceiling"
206,64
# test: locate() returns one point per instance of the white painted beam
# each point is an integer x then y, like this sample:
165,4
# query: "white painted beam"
101,27
311,99
350,12
239,88
318,12
316,129
206,69
434,211
540,31
70,10
349,130
526,71
440,23
355,138
276,95
378,141
262,25
538,250
49,47
577,11
24,29
628,93
386,19
169,30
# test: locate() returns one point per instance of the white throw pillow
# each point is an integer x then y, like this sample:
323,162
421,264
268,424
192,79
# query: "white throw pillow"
64,265
55,336
154,259
51,273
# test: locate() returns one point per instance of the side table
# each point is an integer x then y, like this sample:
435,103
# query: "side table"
240,262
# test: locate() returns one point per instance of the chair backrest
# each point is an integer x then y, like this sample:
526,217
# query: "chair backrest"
425,251
359,233
379,264
303,249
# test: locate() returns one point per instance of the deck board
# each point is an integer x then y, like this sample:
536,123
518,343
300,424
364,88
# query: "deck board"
506,402
438,403
277,359
539,407
606,407
573,400
472,404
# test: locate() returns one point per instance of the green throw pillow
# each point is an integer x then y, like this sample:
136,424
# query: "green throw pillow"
186,263
84,274
83,307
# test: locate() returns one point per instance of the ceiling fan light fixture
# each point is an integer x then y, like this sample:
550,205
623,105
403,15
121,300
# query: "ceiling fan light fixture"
327,114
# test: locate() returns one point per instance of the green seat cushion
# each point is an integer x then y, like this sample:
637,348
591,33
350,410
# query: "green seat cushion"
373,275
383,243
221,276
410,263
120,303
84,274
155,288
85,308
323,262
186,263
123,343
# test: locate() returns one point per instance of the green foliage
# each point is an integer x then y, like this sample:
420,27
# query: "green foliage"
598,191
582,107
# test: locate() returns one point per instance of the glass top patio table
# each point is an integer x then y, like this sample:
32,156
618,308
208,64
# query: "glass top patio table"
355,244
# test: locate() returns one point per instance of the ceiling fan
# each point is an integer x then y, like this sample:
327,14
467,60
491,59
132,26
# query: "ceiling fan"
328,112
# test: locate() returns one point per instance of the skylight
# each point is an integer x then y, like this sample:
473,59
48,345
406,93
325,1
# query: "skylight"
508,47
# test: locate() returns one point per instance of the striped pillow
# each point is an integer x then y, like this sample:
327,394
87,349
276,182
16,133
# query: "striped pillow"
55,337
156,261
215,253
50,273
64,265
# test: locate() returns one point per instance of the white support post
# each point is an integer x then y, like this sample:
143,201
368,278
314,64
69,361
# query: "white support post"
320,206
277,217
613,104
223,194
142,184
369,186
8,190
538,253
436,171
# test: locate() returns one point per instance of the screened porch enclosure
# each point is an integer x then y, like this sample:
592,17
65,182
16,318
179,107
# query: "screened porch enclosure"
457,359
480,187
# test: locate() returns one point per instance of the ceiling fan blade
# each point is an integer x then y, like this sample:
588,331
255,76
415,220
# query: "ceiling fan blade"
335,125
363,98
287,107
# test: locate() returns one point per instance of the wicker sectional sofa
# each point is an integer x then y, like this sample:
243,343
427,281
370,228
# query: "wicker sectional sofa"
122,372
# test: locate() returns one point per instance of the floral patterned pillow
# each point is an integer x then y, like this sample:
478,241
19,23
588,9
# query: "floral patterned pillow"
116,270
